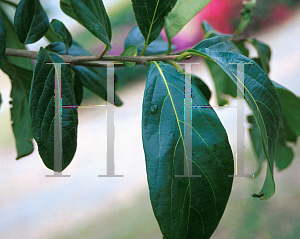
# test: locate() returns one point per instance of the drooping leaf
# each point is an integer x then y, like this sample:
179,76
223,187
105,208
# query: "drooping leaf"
62,32
202,87
185,207
136,38
246,15
182,13
150,16
94,83
264,53
256,143
3,35
21,82
92,78
260,94
31,22
131,50
93,16
66,7
42,110
12,41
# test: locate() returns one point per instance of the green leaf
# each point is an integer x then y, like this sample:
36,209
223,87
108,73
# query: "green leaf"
136,38
246,15
202,87
78,90
185,207
130,51
3,35
260,94
21,83
264,53
31,22
94,83
42,110
92,15
256,143
93,79
182,13
62,32
12,41
66,7
290,102
150,16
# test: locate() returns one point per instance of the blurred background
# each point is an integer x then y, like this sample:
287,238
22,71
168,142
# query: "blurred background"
86,206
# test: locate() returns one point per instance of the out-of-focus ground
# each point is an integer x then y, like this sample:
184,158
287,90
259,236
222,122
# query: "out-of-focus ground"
86,206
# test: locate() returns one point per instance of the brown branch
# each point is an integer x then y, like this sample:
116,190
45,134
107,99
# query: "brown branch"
81,60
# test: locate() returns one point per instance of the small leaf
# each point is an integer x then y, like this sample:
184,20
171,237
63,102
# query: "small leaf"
202,87
150,16
92,15
264,53
182,13
3,35
185,207
21,82
62,32
136,38
130,51
94,83
75,49
31,21
42,110
260,94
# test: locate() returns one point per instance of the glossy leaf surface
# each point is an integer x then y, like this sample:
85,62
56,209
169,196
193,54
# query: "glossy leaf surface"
21,82
42,110
182,13
31,22
66,7
185,207
150,16
136,38
260,94
92,15
264,53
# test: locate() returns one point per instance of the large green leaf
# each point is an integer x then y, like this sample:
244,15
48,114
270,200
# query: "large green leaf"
31,22
202,87
92,15
21,82
62,32
12,41
150,16
2,36
185,207
182,13
42,110
260,94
